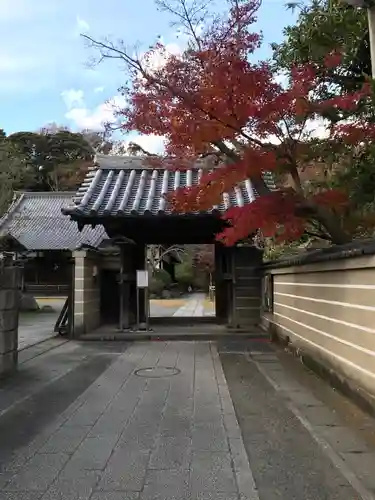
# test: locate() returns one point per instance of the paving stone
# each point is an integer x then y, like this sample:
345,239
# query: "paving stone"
231,426
157,386
133,387
111,422
166,485
38,473
93,453
126,471
212,472
125,401
154,399
209,437
363,465
65,440
115,495
207,413
342,439
20,495
138,437
226,401
244,478
320,415
181,394
85,415
183,409
176,425
65,488
73,474
304,398
286,384
211,495
171,453
204,397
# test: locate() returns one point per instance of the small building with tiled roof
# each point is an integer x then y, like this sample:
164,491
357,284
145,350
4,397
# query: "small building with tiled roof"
36,222
35,228
127,196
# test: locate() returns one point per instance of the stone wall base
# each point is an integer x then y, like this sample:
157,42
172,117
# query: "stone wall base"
8,362
362,398
9,311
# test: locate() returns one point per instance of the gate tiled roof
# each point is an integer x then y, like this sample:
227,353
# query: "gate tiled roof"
123,186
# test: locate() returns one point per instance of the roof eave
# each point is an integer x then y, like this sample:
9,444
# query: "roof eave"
12,208
95,218
16,244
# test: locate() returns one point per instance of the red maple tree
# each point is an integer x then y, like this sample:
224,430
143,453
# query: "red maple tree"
204,257
212,102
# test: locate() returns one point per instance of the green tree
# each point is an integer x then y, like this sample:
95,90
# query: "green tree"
57,159
184,273
324,26
12,173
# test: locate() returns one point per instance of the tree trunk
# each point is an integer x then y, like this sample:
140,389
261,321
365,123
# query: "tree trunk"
332,226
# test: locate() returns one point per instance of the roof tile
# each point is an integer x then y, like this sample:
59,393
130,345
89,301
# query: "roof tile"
35,220
122,186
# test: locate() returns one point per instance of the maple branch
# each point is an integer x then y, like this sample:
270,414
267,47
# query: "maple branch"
319,229
258,182
296,180
318,235
187,16
113,52
236,21
189,21
136,64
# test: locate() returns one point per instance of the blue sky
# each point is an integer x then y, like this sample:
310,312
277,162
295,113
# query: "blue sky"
44,75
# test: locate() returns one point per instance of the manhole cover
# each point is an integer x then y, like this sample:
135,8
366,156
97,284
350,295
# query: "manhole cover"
157,372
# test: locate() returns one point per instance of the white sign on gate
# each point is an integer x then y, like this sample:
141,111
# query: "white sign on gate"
142,278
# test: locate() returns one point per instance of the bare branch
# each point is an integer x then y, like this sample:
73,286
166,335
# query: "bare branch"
190,16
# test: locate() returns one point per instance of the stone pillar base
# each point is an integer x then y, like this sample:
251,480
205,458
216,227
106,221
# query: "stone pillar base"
8,362
9,310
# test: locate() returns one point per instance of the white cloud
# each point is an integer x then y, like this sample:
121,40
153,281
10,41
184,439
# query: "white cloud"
83,117
282,79
151,143
94,119
82,25
159,58
318,128
73,98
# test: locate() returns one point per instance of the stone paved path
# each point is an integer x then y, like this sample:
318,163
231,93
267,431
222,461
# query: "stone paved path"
35,327
103,430
160,438
195,307
38,327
